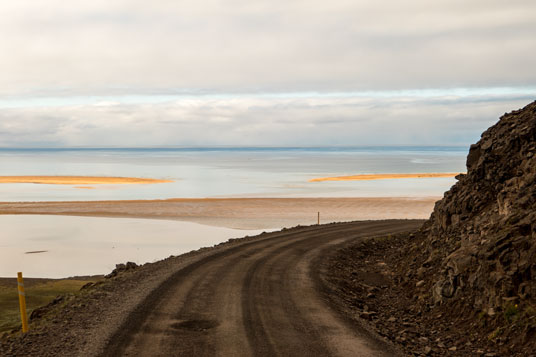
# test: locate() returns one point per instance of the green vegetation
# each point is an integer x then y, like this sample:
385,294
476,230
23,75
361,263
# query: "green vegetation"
498,331
511,313
37,294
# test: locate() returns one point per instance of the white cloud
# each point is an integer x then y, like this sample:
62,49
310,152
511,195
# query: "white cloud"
126,47
258,121
107,73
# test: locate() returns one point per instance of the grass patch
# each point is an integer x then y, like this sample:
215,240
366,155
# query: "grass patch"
511,313
37,294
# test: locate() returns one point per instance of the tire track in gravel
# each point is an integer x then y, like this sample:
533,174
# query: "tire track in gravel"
260,299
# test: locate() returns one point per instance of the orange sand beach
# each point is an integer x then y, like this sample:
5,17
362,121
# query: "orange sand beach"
239,213
383,177
79,180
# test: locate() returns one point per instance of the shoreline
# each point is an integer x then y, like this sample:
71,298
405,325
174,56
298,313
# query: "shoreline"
238,213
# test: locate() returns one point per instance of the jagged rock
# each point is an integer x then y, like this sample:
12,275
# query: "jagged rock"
482,235
131,265
122,267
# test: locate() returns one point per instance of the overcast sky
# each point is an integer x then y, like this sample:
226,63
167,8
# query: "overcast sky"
160,73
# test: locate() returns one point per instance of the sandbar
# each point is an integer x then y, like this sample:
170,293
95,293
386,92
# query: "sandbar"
240,213
384,177
79,180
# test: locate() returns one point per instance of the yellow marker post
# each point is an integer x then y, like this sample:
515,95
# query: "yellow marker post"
318,222
22,303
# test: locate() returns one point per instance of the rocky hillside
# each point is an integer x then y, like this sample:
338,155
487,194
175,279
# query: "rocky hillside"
465,283
481,237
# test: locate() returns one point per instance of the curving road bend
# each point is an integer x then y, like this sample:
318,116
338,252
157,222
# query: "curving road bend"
258,299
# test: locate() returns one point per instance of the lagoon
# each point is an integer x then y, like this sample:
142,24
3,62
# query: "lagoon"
63,246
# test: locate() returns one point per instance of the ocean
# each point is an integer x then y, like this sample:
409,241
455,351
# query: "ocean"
231,172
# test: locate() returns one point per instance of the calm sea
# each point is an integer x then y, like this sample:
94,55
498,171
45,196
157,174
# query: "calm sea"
231,172
60,246
55,246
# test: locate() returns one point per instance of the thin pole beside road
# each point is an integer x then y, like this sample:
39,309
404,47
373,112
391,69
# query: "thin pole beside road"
22,302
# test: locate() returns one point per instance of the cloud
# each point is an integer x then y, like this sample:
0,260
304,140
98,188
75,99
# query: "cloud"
259,121
237,72
131,47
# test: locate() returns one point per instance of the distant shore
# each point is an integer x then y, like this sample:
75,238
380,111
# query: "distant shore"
385,176
239,213
79,180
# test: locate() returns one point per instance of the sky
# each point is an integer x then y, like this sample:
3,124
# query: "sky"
261,73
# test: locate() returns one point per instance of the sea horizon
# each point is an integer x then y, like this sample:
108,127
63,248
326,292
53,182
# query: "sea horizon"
408,147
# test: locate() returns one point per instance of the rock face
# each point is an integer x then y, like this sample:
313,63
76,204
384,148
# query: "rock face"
481,238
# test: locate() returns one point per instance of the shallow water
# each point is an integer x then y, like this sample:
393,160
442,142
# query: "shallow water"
82,246
231,172
92,245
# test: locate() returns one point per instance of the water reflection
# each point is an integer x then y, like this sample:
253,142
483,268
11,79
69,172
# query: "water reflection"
61,246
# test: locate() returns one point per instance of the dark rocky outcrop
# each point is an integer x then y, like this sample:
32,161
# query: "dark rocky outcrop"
119,268
481,238
465,283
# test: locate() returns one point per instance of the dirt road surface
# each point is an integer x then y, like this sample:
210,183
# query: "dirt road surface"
262,298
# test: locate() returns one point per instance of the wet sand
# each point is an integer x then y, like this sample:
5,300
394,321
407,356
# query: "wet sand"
79,180
383,177
239,213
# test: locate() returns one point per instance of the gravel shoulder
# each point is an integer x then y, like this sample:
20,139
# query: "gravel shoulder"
367,280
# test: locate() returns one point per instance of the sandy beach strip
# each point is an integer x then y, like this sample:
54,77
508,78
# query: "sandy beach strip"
239,213
385,176
79,180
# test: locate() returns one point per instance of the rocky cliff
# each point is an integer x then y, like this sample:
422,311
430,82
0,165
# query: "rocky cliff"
465,283
481,238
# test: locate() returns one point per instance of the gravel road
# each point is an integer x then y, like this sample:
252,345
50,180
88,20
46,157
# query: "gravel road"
262,298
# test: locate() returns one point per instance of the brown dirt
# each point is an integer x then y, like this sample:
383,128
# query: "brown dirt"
367,282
